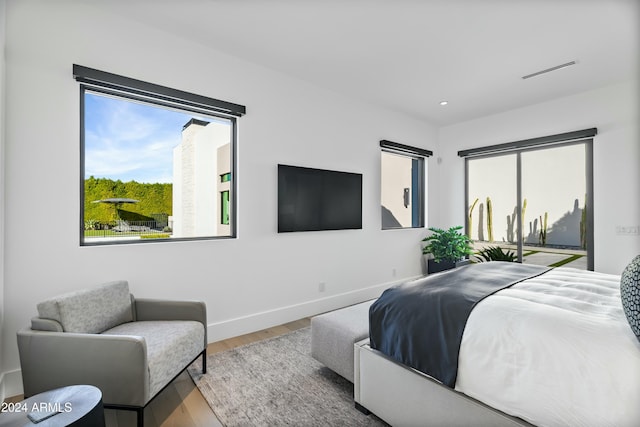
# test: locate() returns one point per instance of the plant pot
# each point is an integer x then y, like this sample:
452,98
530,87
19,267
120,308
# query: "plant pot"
435,267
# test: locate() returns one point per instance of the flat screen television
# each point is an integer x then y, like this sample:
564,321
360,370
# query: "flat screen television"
317,199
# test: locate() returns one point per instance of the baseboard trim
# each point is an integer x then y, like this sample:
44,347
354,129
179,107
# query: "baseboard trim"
12,383
254,322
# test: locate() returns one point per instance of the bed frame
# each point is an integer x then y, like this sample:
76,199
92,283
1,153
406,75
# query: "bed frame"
402,396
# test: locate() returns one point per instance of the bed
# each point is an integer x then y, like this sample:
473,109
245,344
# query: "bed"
553,348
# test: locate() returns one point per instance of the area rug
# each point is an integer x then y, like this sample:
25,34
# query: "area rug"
276,382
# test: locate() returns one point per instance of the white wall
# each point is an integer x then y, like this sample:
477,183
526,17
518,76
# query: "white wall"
396,173
2,104
614,110
552,181
261,278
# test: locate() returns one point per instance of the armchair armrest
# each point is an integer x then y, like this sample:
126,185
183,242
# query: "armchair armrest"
40,324
55,359
155,309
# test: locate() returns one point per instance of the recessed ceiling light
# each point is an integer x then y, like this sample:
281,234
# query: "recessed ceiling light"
444,102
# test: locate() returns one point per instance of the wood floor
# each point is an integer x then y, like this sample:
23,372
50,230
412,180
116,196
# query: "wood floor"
181,404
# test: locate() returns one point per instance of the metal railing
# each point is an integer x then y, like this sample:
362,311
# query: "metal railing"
123,228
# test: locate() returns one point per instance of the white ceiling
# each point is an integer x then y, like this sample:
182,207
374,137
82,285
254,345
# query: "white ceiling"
408,55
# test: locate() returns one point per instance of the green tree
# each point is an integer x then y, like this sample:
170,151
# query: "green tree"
155,198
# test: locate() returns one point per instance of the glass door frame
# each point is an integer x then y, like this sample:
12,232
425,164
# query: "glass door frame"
588,143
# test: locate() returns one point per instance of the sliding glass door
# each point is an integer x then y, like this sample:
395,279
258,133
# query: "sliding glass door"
534,203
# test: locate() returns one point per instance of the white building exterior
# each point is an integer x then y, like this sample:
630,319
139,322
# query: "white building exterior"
199,161
395,178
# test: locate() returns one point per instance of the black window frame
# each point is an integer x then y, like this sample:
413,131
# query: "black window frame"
123,87
582,136
418,156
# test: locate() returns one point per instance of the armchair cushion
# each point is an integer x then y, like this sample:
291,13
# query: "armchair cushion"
92,310
171,345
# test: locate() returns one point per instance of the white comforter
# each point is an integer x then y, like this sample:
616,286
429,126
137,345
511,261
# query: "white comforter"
555,350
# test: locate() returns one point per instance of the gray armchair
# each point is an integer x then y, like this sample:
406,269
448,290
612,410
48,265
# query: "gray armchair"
129,348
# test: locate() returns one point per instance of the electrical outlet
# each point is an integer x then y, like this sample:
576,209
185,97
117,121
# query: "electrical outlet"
393,272
322,286
628,230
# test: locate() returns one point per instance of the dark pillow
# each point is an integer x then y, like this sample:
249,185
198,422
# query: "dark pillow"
630,294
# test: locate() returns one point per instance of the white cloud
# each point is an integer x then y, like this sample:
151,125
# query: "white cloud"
130,141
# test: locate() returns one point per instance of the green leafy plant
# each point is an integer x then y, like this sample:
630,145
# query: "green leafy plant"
447,245
91,224
153,198
155,236
496,253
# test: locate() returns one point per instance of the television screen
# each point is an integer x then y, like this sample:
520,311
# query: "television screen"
317,199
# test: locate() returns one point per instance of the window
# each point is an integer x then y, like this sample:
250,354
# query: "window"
224,203
402,184
156,163
534,199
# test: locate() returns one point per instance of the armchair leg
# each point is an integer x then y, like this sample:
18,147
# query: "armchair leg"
140,421
204,361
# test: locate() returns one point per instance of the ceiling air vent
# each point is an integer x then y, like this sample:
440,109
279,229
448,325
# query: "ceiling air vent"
548,70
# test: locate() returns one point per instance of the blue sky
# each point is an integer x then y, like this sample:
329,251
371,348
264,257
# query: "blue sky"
127,140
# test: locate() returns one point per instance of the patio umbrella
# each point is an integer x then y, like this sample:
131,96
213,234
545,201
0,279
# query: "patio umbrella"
117,203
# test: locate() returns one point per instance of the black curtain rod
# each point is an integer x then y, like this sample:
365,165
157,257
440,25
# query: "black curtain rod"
104,79
405,148
529,143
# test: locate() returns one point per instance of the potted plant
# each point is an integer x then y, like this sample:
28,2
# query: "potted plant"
448,247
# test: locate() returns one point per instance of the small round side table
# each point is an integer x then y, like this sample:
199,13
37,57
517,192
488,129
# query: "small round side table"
76,405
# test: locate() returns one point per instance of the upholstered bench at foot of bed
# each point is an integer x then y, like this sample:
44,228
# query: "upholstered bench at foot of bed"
333,335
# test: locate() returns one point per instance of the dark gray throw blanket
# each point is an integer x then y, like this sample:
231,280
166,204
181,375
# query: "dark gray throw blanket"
420,323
